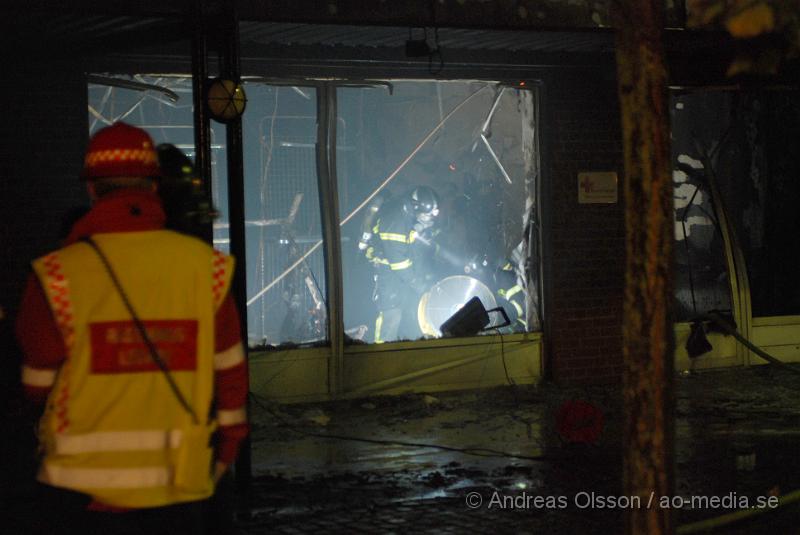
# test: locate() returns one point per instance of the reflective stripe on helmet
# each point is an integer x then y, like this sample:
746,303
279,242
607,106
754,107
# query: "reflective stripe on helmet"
120,150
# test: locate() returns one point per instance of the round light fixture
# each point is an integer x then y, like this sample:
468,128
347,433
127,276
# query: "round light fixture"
225,99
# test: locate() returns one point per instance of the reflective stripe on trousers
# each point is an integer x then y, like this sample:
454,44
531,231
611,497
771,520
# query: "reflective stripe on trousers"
387,325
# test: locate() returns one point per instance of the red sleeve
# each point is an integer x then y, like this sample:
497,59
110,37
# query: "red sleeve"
226,325
38,335
231,392
230,383
230,438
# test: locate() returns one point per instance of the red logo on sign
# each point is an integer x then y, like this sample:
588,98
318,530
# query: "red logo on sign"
117,346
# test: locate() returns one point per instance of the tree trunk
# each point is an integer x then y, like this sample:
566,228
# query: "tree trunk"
647,326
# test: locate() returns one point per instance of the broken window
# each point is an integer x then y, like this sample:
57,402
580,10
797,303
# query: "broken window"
701,273
162,105
285,264
742,143
454,162
758,165
437,194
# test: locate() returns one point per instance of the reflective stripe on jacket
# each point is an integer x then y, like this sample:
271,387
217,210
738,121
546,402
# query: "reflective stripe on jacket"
113,427
394,249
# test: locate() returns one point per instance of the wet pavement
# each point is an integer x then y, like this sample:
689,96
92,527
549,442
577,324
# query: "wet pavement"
493,461
399,465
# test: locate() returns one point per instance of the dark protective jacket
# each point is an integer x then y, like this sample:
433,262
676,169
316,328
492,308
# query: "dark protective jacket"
511,296
394,250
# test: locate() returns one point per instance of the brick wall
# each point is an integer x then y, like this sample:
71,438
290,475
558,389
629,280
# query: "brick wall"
586,242
42,139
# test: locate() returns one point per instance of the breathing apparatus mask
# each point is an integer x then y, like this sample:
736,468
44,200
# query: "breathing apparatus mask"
424,203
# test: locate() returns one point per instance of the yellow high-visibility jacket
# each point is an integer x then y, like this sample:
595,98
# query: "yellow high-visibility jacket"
112,427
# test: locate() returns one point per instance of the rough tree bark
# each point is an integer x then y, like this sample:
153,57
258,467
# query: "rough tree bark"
647,326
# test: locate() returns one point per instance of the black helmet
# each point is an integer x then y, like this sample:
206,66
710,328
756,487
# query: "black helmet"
183,193
425,203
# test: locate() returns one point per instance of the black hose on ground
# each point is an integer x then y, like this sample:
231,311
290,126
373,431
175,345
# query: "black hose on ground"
726,328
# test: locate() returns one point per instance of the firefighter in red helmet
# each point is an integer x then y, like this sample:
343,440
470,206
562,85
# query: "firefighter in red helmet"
131,336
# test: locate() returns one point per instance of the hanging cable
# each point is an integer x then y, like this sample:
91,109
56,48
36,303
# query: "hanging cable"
688,250
503,358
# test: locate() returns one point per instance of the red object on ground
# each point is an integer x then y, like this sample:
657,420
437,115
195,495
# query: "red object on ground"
579,421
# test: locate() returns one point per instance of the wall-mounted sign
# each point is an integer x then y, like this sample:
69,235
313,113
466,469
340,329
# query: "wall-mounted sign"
597,187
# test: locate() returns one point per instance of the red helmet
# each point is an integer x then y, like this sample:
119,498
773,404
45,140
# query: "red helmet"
120,150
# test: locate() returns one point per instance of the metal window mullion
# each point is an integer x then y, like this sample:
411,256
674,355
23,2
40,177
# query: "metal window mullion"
329,211
234,147
546,204
202,126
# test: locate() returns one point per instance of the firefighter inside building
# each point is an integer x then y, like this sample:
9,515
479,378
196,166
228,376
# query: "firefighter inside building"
425,267
398,239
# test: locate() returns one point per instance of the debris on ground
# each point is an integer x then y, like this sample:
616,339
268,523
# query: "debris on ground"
405,463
